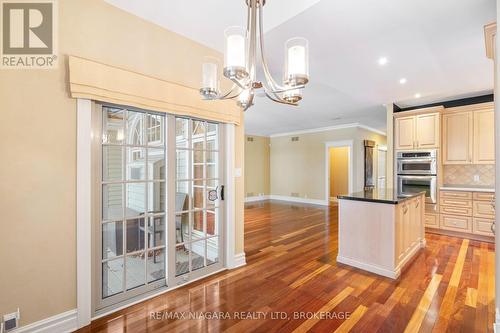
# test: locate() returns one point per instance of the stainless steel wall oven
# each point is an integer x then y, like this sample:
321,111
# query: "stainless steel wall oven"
416,172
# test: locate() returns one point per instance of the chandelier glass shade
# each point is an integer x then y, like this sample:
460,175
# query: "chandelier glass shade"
243,47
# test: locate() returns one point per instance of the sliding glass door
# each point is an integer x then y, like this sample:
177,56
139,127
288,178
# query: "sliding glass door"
158,222
198,204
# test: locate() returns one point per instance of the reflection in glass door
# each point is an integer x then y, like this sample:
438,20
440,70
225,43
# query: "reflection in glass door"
159,210
132,228
197,199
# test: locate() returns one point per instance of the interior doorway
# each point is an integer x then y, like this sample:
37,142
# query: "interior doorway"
381,167
338,157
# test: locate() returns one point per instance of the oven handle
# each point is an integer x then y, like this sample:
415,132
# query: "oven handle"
416,177
418,160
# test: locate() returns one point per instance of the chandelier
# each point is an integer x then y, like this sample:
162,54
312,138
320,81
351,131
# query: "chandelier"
242,48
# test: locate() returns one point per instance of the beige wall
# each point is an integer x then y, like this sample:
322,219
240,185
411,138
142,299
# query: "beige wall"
298,168
339,171
257,164
38,176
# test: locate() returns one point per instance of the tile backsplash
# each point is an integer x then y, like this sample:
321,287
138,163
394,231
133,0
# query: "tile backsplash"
464,174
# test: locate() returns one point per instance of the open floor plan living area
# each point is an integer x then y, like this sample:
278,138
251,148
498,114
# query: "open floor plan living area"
249,166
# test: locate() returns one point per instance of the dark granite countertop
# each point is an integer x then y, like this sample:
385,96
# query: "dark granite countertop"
387,196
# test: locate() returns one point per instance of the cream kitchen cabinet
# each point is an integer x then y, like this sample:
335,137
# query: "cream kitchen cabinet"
457,138
484,137
405,132
468,136
380,232
417,132
467,212
427,130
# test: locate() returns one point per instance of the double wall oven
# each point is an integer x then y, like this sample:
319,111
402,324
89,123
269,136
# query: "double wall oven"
417,172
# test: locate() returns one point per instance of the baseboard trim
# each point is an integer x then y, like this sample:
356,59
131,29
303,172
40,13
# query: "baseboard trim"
370,268
61,323
257,198
451,233
411,255
299,200
239,260
393,274
288,199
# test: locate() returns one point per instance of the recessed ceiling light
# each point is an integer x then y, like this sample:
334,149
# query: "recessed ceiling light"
382,61
417,95
402,80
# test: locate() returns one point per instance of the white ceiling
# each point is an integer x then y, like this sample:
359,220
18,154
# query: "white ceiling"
438,46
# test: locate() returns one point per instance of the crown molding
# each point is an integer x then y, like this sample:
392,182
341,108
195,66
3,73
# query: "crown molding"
257,135
329,128
371,129
489,37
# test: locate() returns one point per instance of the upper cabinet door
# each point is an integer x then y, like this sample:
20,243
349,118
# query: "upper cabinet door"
427,130
405,132
457,138
484,137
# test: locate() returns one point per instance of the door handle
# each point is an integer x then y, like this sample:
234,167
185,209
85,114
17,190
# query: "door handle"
222,192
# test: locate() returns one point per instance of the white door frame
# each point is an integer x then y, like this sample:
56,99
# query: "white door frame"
344,143
84,212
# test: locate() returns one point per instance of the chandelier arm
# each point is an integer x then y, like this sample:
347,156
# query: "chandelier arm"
249,19
250,102
236,95
229,92
272,83
288,89
239,84
279,100
275,97
253,40
270,92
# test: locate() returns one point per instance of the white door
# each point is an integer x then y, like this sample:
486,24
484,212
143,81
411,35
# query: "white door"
381,167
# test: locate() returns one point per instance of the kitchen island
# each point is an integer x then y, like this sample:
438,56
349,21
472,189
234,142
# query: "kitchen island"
380,232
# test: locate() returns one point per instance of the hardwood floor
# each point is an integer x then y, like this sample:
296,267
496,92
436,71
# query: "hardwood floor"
292,283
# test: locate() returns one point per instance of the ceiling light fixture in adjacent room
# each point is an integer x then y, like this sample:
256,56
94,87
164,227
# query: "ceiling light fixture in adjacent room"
242,49
403,80
417,95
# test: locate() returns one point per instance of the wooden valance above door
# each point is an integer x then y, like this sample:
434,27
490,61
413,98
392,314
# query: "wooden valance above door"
93,80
